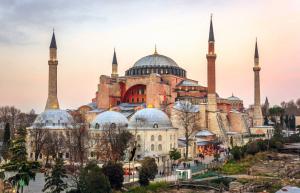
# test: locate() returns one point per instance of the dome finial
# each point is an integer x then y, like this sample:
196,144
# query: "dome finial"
155,50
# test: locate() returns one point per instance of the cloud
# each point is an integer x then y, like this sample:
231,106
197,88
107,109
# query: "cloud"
21,18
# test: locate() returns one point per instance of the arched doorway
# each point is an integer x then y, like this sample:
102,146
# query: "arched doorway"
135,94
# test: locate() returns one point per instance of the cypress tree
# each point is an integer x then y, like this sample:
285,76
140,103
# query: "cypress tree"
6,140
25,171
55,180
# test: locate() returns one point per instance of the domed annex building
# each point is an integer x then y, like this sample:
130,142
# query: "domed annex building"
53,120
152,129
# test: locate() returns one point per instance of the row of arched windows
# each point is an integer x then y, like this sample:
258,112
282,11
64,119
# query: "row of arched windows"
159,138
158,70
159,147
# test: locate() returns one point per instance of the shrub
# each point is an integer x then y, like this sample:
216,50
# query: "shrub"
115,174
147,171
252,148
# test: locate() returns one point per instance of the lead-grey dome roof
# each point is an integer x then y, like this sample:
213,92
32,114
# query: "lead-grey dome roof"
155,60
53,119
109,117
150,118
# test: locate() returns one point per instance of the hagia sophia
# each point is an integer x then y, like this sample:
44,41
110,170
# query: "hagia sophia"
155,89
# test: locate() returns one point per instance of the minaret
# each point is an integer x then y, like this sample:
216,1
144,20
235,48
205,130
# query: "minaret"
114,66
211,70
257,113
52,101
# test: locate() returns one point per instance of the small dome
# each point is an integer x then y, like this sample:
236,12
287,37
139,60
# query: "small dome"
233,98
204,133
150,118
155,60
108,118
54,118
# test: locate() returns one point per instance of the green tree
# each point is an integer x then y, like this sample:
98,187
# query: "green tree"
236,153
115,173
25,171
147,171
6,141
55,180
92,180
174,154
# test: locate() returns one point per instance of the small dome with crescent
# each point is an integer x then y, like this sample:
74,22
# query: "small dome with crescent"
150,118
108,118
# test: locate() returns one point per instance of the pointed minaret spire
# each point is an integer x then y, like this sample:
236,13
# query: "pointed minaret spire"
155,50
211,37
114,72
53,41
256,50
257,113
52,101
114,58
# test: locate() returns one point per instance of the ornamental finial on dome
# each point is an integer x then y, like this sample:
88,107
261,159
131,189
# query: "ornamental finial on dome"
155,50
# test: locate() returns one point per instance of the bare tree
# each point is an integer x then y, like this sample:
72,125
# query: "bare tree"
187,116
38,139
9,114
54,144
77,138
114,140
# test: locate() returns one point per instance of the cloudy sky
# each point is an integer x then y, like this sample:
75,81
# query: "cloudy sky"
87,31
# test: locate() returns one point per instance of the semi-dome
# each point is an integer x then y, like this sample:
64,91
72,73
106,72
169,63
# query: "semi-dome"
53,118
150,118
155,60
108,118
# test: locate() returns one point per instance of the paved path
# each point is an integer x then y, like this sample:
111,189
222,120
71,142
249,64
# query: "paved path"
245,176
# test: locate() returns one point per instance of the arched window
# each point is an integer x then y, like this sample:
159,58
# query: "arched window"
155,125
152,147
159,147
159,138
97,126
152,137
138,137
113,125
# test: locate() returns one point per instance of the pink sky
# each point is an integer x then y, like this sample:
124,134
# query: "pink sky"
86,34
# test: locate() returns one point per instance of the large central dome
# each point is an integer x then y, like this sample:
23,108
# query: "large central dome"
155,60
155,63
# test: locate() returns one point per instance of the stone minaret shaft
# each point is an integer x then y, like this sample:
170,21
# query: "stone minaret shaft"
211,70
257,113
52,101
114,65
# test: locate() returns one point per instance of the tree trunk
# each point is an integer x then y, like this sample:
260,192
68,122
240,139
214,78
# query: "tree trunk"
186,151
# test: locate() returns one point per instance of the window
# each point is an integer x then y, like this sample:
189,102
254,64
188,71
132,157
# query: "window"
132,100
31,155
159,147
67,155
143,100
138,138
155,125
139,147
137,100
152,147
97,126
152,137
41,156
170,137
92,154
170,145
159,138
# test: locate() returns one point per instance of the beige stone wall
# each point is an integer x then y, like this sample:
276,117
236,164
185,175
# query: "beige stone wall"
297,120
237,122
52,101
103,92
